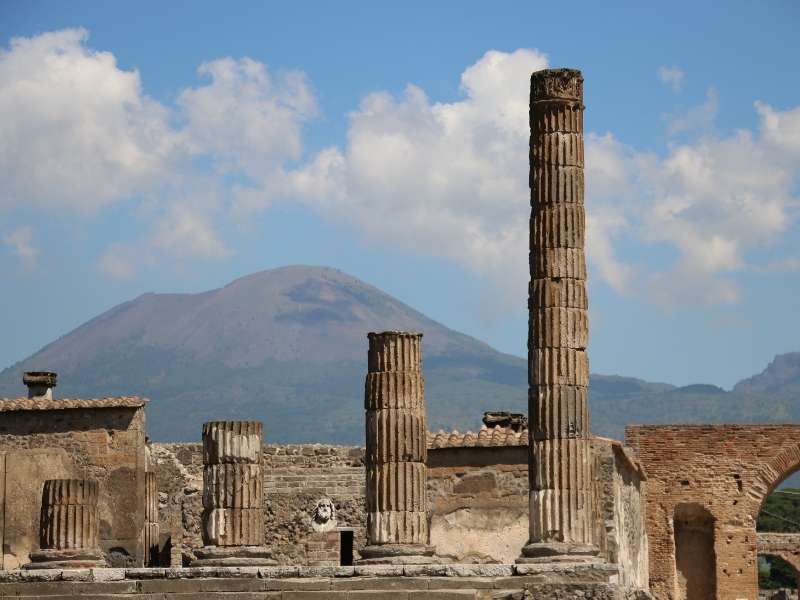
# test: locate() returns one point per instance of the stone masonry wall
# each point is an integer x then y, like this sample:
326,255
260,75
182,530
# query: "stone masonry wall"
103,444
714,477
478,499
295,478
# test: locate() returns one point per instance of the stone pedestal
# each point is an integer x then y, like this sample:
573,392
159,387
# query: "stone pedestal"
397,525
233,496
322,549
558,366
68,533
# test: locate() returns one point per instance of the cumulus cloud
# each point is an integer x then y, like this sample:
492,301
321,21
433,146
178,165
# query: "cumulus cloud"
674,77
447,179
82,135
699,118
22,245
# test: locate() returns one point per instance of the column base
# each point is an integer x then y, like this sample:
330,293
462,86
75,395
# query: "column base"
549,552
397,554
75,558
233,556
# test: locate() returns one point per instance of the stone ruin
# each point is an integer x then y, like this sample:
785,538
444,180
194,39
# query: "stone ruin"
527,507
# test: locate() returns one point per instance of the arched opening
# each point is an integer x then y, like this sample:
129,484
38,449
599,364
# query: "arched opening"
695,557
777,578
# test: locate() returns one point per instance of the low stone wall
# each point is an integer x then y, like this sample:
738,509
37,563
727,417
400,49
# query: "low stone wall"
295,477
434,582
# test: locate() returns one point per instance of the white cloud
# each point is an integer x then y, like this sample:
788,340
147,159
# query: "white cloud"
118,262
82,133
674,77
245,118
447,179
698,119
188,233
23,245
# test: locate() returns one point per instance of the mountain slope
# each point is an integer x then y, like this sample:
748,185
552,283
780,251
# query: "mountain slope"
288,347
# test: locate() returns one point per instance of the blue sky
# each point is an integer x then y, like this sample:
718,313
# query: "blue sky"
175,146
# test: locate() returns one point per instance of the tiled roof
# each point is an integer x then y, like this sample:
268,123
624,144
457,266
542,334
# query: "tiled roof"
496,437
22,404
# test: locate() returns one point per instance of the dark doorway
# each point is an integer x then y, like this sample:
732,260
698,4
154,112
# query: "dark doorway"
346,547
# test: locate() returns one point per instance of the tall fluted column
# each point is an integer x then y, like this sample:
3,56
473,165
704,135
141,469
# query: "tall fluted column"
233,495
151,529
397,521
558,329
68,529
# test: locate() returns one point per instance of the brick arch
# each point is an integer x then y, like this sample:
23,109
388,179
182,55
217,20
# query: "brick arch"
771,474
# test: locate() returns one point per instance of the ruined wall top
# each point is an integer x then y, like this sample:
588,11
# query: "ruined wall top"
557,84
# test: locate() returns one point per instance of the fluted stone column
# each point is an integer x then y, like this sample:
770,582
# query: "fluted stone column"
233,495
68,528
558,331
151,529
397,525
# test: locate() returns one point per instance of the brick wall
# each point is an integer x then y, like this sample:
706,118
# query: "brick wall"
724,470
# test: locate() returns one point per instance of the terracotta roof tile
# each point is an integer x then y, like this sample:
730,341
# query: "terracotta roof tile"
22,404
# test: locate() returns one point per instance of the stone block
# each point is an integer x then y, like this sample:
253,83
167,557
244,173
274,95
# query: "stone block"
557,148
557,293
558,226
396,436
234,527
233,485
394,389
556,184
559,328
557,263
552,117
394,351
558,411
558,366
232,442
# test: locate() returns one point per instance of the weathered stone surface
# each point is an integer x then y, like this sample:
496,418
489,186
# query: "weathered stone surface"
233,485
557,293
232,442
558,226
396,436
558,366
394,389
558,411
560,328
552,185
234,527
558,148
561,464
396,450
558,263
551,117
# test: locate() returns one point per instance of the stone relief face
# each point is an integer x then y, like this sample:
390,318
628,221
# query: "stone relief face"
324,516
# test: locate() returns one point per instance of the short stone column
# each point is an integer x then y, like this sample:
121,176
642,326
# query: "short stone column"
233,496
558,367
397,520
68,531
152,530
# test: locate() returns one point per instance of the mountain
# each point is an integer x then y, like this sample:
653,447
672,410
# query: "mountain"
288,347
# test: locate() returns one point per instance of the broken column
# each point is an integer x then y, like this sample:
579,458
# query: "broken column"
397,521
68,529
233,496
558,368
40,384
151,527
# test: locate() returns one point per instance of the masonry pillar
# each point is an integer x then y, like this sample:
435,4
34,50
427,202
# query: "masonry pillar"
233,496
397,520
150,534
68,529
558,368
